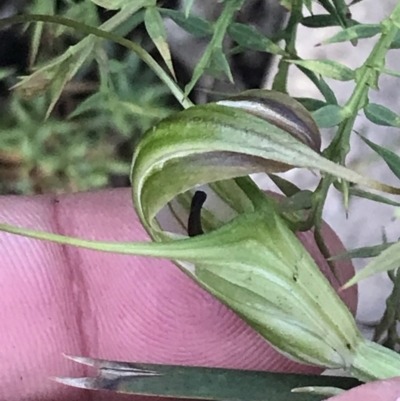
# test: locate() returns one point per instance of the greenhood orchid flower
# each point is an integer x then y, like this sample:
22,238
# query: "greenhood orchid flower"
250,259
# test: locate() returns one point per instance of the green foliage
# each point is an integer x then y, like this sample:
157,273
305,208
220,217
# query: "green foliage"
381,115
327,68
30,158
213,61
68,152
45,149
49,149
188,382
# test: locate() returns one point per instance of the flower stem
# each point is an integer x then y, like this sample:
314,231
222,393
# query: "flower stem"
375,362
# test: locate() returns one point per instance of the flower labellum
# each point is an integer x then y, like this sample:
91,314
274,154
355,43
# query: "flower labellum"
257,266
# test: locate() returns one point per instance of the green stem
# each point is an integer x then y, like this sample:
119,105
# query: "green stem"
389,318
366,76
182,249
374,362
280,80
213,246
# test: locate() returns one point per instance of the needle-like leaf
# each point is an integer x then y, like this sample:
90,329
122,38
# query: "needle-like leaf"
202,382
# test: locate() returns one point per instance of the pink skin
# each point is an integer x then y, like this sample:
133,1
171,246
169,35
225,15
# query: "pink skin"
58,299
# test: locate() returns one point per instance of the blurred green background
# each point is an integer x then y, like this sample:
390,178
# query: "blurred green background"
88,140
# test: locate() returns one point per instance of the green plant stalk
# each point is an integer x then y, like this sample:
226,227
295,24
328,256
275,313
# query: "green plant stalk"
280,80
389,318
90,30
372,357
290,35
366,76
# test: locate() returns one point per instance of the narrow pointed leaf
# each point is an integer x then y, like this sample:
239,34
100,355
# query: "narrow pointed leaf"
96,33
329,116
250,38
321,84
156,30
64,72
54,76
187,6
62,69
389,259
216,44
390,72
381,115
288,188
320,21
342,9
354,2
311,104
44,7
193,24
326,391
219,65
390,158
396,41
205,383
362,253
330,8
308,4
287,4
361,31
110,4
327,91
299,201
373,197
327,68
